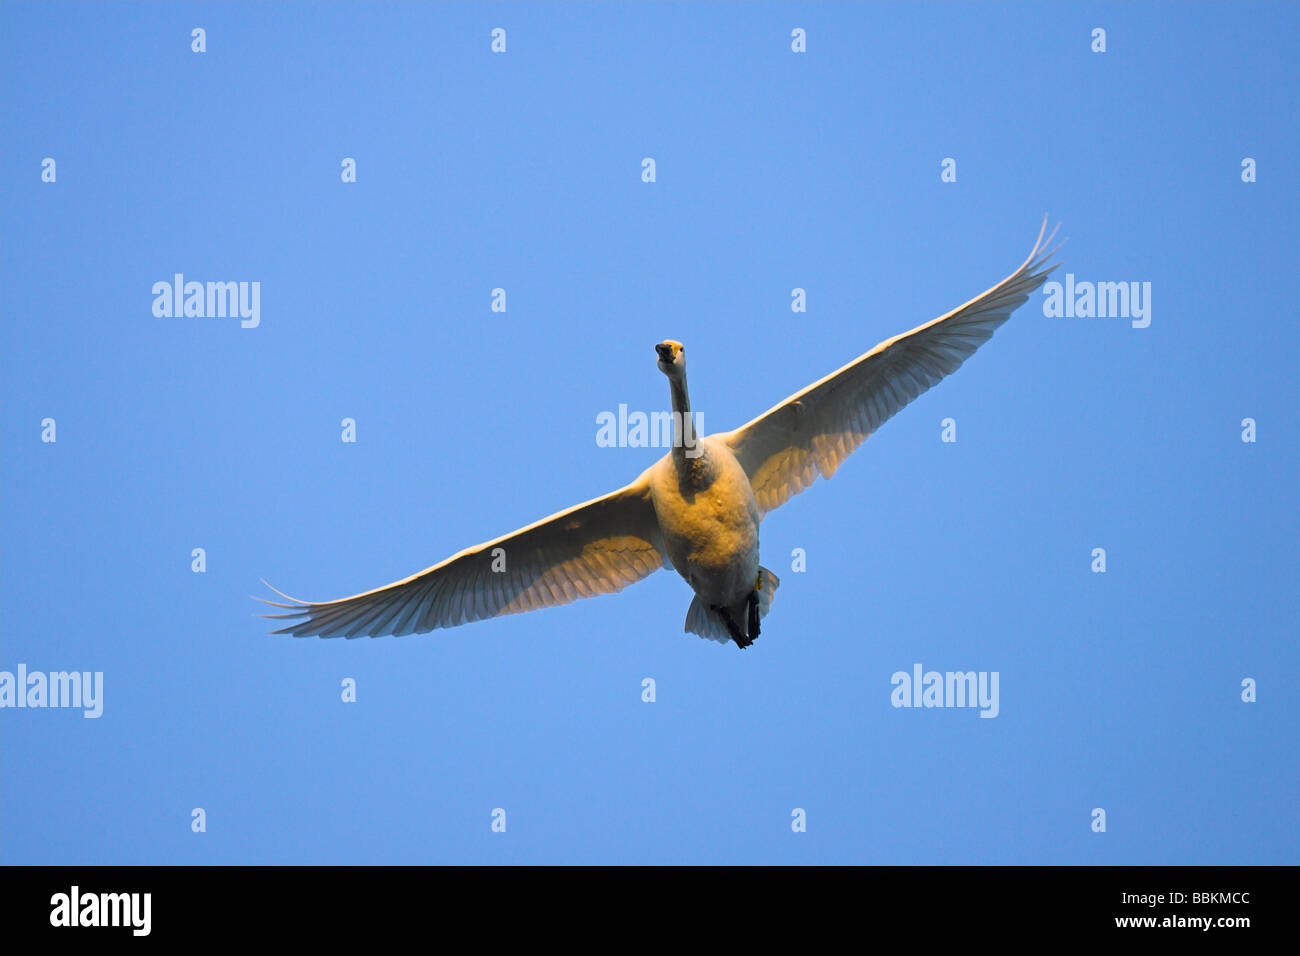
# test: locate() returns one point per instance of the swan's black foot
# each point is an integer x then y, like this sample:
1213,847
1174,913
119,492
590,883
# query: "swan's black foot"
736,633
753,615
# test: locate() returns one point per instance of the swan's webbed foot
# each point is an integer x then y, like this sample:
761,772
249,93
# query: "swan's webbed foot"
753,615
736,633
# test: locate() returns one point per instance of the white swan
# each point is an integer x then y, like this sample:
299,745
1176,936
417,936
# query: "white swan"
697,509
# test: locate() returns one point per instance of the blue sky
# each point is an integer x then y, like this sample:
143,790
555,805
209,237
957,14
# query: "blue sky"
775,170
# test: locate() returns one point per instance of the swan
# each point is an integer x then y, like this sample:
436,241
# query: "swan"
697,509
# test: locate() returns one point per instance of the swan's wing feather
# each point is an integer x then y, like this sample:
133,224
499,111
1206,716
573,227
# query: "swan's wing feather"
813,431
597,547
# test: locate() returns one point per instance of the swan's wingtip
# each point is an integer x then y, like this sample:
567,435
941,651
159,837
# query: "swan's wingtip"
297,602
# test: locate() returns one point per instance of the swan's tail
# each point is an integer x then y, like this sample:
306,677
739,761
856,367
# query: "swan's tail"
708,623
767,585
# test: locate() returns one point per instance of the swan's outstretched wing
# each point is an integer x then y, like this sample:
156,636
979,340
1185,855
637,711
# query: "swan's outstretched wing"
597,547
813,431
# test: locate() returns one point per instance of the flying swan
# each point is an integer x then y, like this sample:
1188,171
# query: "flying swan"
697,509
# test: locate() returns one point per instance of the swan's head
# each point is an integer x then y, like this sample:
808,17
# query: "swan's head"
672,357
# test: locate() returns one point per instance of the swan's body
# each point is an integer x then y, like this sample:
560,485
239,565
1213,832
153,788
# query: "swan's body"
697,509
709,521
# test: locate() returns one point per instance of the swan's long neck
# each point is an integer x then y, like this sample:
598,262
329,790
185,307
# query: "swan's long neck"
686,447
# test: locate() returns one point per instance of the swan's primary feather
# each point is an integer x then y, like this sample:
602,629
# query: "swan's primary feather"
813,431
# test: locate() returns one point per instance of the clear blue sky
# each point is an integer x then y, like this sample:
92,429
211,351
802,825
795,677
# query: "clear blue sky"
775,170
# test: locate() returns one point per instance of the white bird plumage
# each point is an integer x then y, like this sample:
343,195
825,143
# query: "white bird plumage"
697,509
